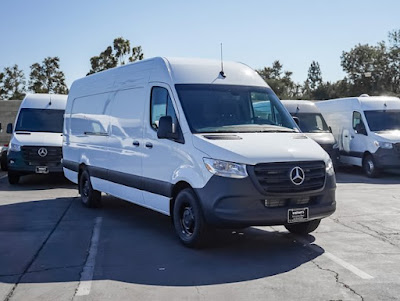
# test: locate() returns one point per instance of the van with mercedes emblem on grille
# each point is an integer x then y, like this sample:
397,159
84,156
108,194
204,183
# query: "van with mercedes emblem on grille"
186,138
35,146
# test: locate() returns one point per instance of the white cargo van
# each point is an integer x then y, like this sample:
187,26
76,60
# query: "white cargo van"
182,137
367,129
36,142
312,123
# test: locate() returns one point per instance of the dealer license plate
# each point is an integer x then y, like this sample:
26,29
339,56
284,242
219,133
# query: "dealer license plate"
42,169
297,215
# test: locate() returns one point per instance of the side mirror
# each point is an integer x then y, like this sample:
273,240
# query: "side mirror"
1,129
360,129
9,128
330,129
297,120
165,130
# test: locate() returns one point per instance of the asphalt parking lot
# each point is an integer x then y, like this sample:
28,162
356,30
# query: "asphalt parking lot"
52,248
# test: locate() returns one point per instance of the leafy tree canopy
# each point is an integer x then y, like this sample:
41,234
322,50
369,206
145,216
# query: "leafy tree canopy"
12,83
47,77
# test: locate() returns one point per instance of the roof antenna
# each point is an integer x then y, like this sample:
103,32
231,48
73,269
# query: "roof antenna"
50,101
222,65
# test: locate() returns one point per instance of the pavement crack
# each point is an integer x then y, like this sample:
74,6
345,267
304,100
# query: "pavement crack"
336,274
35,256
377,235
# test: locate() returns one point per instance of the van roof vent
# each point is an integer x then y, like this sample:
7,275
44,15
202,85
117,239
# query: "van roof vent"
364,95
222,137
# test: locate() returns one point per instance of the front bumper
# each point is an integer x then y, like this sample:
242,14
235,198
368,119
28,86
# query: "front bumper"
387,158
237,202
17,163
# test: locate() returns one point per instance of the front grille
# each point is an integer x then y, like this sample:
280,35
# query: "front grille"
31,156
275,177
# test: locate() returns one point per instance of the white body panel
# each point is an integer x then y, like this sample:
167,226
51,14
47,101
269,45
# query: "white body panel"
339,115
118,100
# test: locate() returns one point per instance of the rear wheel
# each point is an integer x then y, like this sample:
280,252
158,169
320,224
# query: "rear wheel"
89,197
189,222
369,167
303,228
13,177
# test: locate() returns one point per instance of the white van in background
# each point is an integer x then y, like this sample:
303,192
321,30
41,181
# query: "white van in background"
312,123
367,129
182,137
35,145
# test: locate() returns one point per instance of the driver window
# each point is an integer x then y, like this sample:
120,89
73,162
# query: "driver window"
358,123
161,105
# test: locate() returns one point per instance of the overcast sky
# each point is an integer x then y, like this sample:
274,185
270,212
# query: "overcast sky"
253,32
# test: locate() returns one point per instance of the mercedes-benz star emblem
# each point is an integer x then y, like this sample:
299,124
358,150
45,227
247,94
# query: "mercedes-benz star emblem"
297,176
42,152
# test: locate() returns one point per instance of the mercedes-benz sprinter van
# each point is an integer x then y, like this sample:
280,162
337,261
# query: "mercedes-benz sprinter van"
312,123
36,142
182,137
367,129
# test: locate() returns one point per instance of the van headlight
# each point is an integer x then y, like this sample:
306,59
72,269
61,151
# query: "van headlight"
381,144
225,169
14,147
329,167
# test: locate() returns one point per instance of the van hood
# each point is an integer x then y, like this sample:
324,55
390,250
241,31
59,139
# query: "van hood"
388,136
254,148
37,138
322,138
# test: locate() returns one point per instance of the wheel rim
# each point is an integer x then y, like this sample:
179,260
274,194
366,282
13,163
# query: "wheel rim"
370,166
187,221
85,191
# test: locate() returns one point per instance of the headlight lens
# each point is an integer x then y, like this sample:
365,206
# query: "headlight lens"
381,144
15,147
329,167
225,169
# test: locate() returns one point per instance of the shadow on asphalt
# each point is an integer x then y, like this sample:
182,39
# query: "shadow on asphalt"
355,174
136,245
37,182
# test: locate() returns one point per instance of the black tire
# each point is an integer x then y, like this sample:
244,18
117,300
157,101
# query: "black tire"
3,161
89,197
303,228
369,167
13,177
188,218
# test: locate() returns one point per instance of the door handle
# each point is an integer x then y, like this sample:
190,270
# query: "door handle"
149,145
136,143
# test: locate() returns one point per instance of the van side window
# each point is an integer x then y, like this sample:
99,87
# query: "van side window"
357,121
161,105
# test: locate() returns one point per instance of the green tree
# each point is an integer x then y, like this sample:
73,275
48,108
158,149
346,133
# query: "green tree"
280,81
47,77
118,55
394,60
12,83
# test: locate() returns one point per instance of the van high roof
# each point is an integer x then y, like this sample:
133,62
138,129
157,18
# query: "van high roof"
168,70
44,101
300,106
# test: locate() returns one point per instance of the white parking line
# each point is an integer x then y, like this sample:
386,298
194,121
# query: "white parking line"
85,283
336,259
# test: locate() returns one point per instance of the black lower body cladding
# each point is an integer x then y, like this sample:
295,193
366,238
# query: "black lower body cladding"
17,163
387,158
238,202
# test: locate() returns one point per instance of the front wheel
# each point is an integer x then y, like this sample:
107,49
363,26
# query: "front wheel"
189,222
89,197
303,228
13,177
369,167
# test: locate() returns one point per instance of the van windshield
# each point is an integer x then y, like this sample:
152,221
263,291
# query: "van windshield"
40,120
380,121
233,109
312,123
